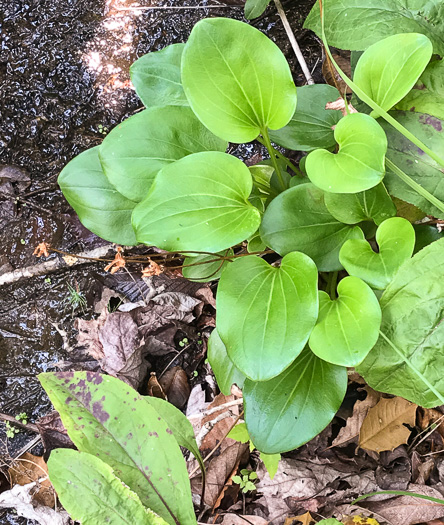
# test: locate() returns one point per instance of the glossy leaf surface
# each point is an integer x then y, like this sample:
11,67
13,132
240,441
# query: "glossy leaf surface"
223,367
236,79
356,167
373,204
347,327
254,8
156,77
284,413
387,77
100,207
138,148
356,24
298,220
419,166
396,241
206,267
408,359
311,125
107,418
265,314
92,494
199,203
427,96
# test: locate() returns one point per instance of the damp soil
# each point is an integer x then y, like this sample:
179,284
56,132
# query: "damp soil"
64,84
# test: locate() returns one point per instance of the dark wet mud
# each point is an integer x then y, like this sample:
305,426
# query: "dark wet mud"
64,83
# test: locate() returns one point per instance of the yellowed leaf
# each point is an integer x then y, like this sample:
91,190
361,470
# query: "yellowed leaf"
304,519
384,426
359,520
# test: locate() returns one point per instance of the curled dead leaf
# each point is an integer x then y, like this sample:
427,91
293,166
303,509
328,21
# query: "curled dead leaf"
176,386
41,250
117,263
29,468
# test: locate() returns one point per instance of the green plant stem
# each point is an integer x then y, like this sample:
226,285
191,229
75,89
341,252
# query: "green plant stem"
270,149
331,286
414,185
365,98
288,162
399,493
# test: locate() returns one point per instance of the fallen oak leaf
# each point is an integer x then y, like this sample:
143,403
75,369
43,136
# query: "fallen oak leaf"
384,426
304,519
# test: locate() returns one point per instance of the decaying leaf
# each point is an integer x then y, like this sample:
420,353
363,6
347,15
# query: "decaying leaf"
176,386
332,77
339,105
408,510
53,433
384,426
234,519
117,263
359,520
29,468
303,519
154,388
41,250
354,423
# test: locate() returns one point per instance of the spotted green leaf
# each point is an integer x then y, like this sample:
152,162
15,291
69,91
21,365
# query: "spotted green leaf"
347,327
199,203
284,413
356,167
156,77
100,207
396,241
298,220
138,148
91,493
236,79
265,314
387,77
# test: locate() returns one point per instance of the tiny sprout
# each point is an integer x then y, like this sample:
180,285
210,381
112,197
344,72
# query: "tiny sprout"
245,481
48,280
11,431
195,373
76,298
22,241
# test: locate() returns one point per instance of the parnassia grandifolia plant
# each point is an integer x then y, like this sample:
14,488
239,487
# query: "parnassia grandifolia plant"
343,282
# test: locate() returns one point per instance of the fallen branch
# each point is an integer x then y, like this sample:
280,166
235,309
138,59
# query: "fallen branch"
53,265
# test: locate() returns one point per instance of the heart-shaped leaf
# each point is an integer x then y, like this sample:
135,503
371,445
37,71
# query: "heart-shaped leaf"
198,203
100,207
347,327
223,367
204,268
311,126
387,77
356,167
91,493
298,220
265,314
284,413
373,204
396,241
236,79
156,77
408,358
107,418
138,148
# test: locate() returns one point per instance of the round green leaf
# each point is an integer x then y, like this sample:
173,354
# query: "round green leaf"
100,207
387,77
347,327
236,79
223,367
265,314
311,125
198,203
156,77
408,358
356,167
284,413
92,494
205,267
138,148
373,204
396,241
298,220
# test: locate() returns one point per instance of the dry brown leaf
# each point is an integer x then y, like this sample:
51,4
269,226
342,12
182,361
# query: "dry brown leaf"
154,388
384,426
304,519
29,468
359,520
408,510
176,386
332,77
235,519
354,423
53,433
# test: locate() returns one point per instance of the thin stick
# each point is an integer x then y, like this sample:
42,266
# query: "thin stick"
175,8
293,42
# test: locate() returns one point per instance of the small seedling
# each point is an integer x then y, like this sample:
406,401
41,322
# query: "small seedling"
48,280
22,417
183,342
11,430
76,298
245,481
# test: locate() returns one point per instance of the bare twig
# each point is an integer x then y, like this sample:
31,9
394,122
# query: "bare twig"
293,42
216,409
